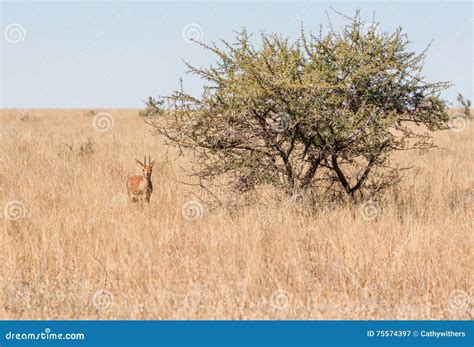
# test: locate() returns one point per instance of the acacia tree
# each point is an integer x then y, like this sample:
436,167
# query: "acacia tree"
324,113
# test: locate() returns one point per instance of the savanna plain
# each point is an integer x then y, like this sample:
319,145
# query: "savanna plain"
73,247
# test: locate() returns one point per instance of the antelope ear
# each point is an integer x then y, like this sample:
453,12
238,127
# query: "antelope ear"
139,163
152,163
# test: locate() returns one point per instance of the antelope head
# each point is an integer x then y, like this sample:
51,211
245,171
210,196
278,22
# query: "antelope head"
147,168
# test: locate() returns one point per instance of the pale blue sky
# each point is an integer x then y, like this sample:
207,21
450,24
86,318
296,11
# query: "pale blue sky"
115,54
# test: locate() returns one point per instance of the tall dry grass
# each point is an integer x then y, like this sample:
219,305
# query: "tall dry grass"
73,248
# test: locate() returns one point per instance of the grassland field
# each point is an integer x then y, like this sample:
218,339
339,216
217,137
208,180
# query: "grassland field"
72,247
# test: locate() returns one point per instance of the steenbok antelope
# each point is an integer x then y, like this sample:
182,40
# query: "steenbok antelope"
139,187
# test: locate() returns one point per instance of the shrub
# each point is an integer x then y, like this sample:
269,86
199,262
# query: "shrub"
465,106
324,113
153,108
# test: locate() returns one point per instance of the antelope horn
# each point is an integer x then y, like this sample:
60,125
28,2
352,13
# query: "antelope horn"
149,160
144,160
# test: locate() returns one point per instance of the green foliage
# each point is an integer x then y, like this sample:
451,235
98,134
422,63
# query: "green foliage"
323,113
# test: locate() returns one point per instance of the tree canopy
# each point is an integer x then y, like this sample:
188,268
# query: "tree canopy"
322,113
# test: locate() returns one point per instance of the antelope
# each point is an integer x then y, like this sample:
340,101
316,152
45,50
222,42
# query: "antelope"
139,187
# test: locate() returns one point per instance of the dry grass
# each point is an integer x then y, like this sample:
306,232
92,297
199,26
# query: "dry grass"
78,235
